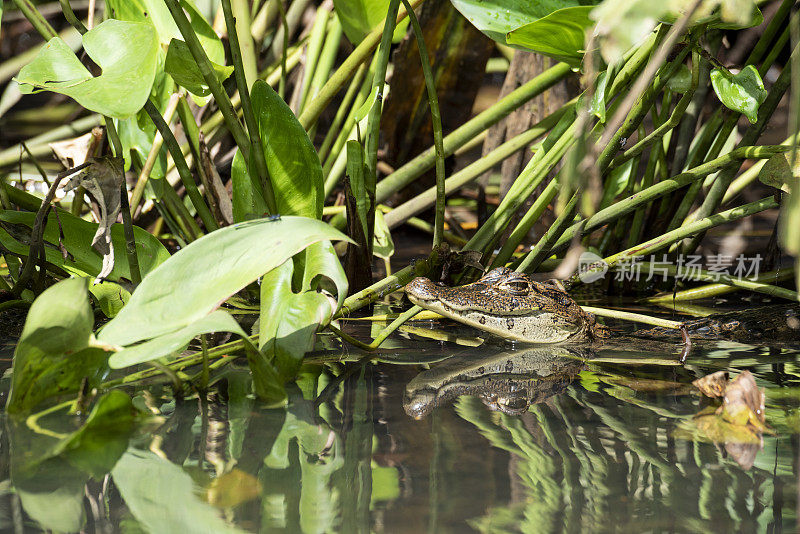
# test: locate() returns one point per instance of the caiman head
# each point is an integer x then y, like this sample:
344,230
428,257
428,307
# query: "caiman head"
511,305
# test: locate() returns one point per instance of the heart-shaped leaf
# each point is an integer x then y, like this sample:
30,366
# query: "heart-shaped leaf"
743,92
125,51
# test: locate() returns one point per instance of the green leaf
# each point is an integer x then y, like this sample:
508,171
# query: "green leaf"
197,279
83,260
180,64
743,92
560,35
289,320
363,110
293,164
110,297
216,321
248,201
496,18
53,354
622,24
781,173
616,182
598,105
355,172
162,496
360,17
125,51
681,81
382,245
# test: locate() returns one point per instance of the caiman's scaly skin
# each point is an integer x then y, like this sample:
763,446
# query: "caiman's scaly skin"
512,306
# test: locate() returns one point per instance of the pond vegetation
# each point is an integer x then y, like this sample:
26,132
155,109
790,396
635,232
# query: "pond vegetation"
209,210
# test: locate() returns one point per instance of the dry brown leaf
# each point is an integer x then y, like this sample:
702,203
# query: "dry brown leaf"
713,385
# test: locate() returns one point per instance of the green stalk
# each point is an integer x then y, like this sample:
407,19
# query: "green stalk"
476,169
378,290
328,57
346,71
315,41
36,19
540,251
716,289
71,18
342,111
247,109
436,121
726,175
660,189
665,240
374,119
635,317
183,169
244,39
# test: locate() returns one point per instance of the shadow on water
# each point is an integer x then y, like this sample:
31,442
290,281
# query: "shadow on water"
485,440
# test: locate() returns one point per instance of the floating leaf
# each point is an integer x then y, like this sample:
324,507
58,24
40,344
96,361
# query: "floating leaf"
197,279
743,92
125,51
560,34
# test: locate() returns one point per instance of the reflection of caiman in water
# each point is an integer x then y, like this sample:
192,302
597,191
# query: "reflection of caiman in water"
509,382
513,306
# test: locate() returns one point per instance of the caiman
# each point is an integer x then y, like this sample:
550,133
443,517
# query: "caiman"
514,307
511,305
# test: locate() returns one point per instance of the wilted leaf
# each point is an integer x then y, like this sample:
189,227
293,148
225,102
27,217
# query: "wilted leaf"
73,152
779,172
125,51
102,179
232,489
713,385
744,402
743,92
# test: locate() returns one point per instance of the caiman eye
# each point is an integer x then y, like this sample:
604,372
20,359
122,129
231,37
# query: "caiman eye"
519,287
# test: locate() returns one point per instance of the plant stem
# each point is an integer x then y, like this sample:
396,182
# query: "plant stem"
724,285
36,19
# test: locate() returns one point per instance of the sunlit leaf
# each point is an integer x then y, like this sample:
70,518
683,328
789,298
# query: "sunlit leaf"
198,278
743,92
293,164
125,51
180,64
110,297
359,17
559,35
382,246
248,200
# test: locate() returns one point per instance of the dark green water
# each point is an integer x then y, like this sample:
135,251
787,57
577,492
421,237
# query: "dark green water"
606,444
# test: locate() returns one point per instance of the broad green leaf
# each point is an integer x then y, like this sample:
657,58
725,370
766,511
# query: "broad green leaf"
293,164
156,13
125,51
216,321
248,200
54,354
289,320
184,70
162,496
110,297
560,34
360,17
83,260
496,18
743,92
197,279
616,182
